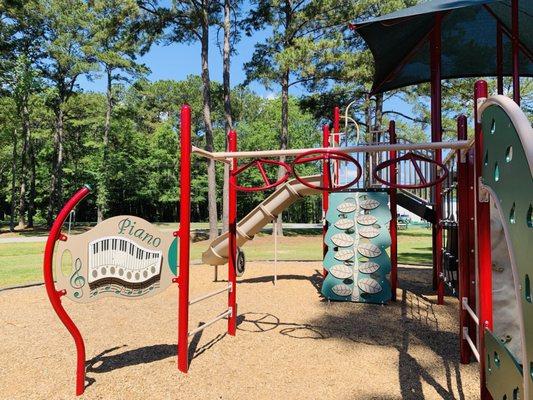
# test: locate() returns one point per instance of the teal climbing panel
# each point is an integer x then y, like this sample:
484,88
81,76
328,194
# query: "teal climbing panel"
357,240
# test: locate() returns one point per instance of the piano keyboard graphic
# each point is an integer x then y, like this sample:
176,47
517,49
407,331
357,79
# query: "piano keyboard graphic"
119,261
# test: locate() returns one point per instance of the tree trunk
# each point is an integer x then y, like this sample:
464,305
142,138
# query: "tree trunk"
25,114
57,167
31,196
13,184
209,140
226,55
284,136
102,185
378,119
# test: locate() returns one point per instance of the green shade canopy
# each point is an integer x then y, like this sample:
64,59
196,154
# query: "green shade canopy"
400,44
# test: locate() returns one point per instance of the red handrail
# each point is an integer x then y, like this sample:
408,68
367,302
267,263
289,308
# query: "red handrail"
55,295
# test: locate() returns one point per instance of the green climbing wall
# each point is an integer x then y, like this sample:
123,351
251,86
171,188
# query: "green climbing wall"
507,175
357,239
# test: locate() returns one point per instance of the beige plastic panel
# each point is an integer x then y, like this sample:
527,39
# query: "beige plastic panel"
123,256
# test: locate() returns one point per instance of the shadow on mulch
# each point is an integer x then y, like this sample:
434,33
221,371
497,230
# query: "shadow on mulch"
103,362
377,325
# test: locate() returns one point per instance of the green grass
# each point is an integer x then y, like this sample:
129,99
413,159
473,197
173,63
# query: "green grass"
414,246
21,263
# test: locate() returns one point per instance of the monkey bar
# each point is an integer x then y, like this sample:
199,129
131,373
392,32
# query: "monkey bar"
371,148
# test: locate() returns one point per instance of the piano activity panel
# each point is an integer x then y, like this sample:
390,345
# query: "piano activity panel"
123,256
357,239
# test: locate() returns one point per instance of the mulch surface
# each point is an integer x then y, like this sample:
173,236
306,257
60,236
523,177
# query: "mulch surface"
290,344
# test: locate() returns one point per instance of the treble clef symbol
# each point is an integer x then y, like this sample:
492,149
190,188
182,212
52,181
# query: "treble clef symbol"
77,281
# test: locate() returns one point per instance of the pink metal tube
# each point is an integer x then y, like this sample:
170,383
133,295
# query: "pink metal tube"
394,215
436,136
184,236
55,295
483,243
232,251
325,194
516,51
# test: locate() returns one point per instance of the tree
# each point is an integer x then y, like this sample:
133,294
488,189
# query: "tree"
189,21
68,47
22,50
301,49
116,50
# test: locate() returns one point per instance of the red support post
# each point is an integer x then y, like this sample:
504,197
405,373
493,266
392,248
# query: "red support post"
463,206
184,236
325,194
394,215
483,240
436,136
55,296
516,51
336,138
499,57
232,238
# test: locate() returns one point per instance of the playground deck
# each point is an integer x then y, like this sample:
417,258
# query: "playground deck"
290,344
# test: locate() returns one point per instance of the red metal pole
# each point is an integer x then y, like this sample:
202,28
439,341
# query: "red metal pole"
463,222
336,136
483,241
325,194
394,215
499,57
184,236
55,295
436,136
232,250
516,51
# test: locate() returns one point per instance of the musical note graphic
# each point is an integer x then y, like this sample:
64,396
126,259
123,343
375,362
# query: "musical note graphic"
77,281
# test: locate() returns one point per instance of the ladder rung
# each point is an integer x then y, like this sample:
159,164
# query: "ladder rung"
211,294
217,318
464,302
470,343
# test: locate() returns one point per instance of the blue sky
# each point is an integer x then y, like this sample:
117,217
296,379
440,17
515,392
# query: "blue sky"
177,61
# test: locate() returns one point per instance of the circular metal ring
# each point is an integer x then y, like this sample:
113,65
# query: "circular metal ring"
259,163
326,156
413,157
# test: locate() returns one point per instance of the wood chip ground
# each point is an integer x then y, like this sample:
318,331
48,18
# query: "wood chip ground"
290,344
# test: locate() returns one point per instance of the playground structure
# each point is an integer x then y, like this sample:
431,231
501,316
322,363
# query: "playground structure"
127,257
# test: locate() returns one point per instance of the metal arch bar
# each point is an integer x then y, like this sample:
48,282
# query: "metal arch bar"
225,314
55,296
223,156
210,294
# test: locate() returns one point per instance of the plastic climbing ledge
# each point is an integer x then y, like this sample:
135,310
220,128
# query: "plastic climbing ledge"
507,175
357,239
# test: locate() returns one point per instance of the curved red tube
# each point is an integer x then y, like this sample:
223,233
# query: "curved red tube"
55,295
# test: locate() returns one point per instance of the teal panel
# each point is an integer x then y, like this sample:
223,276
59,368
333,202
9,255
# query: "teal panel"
507,173
173,257
358,239
504,374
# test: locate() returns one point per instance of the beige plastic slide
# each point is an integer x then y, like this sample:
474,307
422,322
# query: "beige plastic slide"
284,196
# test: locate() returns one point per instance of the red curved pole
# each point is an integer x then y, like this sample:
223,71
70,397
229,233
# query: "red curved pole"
55,295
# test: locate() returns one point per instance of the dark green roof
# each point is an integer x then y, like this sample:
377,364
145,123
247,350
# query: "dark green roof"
399,41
